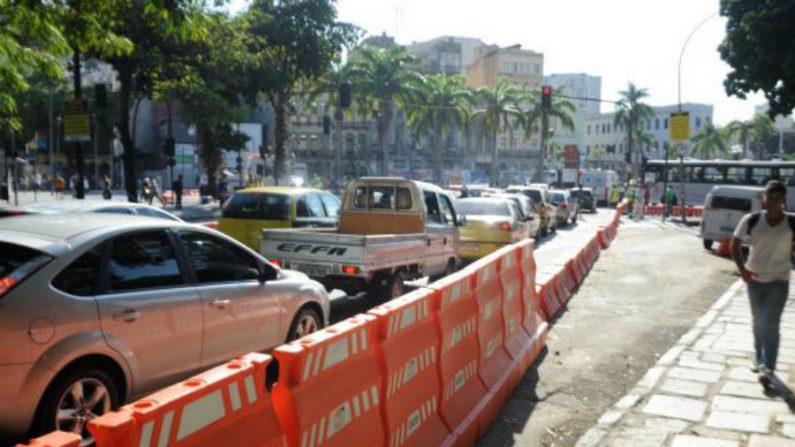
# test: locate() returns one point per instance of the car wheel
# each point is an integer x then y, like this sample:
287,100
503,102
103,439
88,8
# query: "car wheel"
306,322
707,244
74,398
394,287
449,269
574,220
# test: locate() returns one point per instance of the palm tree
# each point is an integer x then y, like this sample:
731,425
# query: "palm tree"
382,79
533,117
629,113
753,131
763,128
444,105
496,106
743,130
710,141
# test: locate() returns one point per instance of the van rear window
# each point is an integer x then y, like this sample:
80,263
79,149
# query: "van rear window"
258,206
731,203
382,198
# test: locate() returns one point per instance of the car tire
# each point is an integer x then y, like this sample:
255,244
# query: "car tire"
60,395
394,287
305,322
449,269
708,244
573,220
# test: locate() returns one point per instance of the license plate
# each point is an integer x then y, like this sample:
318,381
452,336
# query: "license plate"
727,228
317,271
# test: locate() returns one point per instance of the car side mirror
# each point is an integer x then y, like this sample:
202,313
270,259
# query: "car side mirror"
268,273
462,220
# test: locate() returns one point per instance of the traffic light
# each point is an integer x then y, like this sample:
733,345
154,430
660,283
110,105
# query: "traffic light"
345,95
263,147
546,97
169,147
326,125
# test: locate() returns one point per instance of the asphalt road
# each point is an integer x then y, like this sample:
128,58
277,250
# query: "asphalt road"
643,293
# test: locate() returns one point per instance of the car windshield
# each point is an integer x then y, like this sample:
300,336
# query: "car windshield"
258,206
483,208
558,197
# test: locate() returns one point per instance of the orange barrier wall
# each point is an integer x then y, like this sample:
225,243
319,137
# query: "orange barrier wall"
463,394
409,340
226,403
534,321
55,439
329,388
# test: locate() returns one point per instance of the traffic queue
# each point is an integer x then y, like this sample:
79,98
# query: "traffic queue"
101,306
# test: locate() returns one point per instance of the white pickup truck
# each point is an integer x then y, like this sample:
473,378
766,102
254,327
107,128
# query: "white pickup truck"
391,230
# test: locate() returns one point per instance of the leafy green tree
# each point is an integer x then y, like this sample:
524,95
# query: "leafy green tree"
383,80
206,83
630,111
535,120
444,105
154,29
748,132
296,41
710,141
597,154
495,110
760,47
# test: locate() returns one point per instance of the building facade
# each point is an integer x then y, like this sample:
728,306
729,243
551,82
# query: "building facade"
578,85
446,54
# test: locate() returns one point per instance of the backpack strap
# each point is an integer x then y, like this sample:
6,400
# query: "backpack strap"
791,220
755,220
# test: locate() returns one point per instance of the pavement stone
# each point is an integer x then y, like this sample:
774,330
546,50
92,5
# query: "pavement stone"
740,422
640,437
749,406
671,425
676,407
685,387
698,364
695,441
788,430
769,441
699,375
743,389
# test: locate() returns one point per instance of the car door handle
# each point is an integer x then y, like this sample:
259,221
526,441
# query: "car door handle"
127,316
220,304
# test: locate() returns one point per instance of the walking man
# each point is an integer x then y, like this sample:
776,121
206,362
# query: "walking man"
766,272
177,187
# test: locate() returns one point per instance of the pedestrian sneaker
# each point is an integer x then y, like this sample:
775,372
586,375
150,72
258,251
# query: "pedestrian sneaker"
754,368
766,378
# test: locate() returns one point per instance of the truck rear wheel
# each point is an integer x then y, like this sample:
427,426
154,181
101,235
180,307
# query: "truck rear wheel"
385,289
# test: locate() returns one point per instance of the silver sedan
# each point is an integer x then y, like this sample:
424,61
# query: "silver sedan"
96,310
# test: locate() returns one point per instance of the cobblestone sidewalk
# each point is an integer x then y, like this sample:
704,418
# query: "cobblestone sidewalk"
701,393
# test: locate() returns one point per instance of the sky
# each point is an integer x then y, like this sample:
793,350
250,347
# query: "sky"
622,41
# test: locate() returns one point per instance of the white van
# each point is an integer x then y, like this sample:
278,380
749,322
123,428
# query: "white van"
724,207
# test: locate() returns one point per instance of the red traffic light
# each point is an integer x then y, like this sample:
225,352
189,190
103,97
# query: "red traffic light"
546,90
546,97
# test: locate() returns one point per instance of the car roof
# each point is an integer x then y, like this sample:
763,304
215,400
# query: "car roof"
53,233
283,190
486,199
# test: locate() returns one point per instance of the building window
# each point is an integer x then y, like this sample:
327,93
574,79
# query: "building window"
648,124
589,129
608,127
698,122
656,123
665,123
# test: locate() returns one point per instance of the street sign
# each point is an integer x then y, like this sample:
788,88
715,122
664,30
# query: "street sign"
76,123
571,157
679,128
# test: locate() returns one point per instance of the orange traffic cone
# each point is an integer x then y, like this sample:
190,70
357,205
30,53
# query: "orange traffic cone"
725,247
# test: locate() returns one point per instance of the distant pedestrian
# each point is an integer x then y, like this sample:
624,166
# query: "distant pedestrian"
157,193
770,233
669,197
106,191
176,186
59,184
146,191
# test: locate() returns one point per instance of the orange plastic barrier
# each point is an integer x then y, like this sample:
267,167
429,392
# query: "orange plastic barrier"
494,359
55,439
547,291
329,388
463,394
410,340
227,403
604,237
575,272
533,319
724,249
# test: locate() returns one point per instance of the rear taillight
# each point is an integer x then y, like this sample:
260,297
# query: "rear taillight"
505,226
564,205
276,262
8,283
350,269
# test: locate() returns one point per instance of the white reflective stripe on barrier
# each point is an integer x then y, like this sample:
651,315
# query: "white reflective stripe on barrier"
410,369
334,353
461,377
413,422
362,403
458,333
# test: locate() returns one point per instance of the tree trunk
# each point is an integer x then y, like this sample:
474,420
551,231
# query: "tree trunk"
125,79
77,146
383,123
437,147
542,151
494,175
280,137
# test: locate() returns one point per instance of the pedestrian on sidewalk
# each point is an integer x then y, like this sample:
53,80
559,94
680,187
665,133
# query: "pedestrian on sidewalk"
176,186
770,234
106,191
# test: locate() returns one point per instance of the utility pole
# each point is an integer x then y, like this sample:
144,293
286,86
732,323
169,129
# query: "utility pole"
78,146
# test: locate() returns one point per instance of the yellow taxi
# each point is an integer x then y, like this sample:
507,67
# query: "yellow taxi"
250,210
491,223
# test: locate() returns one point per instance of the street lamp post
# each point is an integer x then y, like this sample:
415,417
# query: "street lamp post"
679,108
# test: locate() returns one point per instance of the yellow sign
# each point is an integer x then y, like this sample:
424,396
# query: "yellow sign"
76,123
679,128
